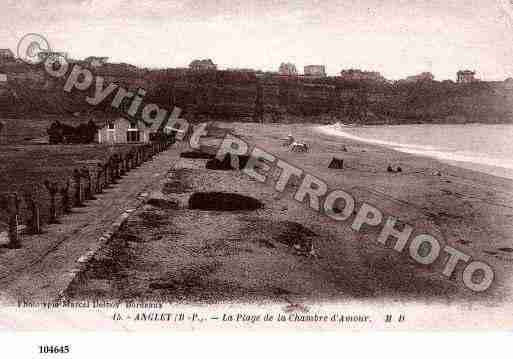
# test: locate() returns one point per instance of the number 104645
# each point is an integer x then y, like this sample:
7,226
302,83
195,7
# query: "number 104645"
54,349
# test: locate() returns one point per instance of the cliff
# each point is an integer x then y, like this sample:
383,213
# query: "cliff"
230,95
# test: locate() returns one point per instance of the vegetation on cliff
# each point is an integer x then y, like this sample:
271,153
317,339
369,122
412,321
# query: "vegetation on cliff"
231,95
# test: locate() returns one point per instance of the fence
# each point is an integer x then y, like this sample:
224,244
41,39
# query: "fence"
24,210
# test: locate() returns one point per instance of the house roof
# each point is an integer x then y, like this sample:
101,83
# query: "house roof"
102,58
48,53
131,120
204,62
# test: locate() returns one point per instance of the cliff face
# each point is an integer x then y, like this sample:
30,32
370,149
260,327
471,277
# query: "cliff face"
231,96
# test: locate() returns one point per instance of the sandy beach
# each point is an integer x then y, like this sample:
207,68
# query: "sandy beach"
171,251
464,146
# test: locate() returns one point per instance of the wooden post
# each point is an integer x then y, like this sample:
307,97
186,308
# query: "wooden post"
52,188
35,221
66,206
78,188
84,173
117,166
121,165
14,221
128,161
99,169
112,169
106,173
90,187
258,115
131,158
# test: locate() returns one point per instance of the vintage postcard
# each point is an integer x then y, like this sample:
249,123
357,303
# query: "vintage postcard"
259,165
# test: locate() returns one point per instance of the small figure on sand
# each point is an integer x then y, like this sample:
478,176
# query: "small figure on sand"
391,169
298,147
287,141
293,145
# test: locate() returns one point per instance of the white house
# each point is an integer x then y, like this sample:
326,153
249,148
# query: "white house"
315,71
123,130
96,61
6,55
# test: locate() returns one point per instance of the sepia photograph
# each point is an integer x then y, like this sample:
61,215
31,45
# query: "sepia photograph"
255,165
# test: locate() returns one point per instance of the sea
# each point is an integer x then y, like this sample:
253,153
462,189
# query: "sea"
481,147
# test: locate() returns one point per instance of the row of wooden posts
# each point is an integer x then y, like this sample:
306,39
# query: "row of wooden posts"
86,183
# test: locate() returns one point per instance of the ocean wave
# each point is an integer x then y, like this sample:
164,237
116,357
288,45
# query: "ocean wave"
338,131
482,161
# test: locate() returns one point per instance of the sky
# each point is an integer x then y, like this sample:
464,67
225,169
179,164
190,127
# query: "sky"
395,37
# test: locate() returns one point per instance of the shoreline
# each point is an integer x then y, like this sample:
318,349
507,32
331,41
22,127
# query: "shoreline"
459,160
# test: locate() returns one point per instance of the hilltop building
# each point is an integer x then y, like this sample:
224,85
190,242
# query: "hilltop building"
240,69
287,69
202,65
6,55
508,83
425,76
43,55
359,75
315,71
96,61
3,85
466,76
